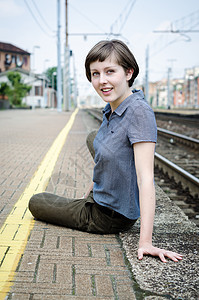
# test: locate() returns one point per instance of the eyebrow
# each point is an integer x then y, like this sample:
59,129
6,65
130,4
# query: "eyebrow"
104,68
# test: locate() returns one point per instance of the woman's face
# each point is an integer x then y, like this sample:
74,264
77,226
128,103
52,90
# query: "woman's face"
110,81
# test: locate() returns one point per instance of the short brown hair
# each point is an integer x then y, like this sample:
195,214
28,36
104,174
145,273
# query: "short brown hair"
103,49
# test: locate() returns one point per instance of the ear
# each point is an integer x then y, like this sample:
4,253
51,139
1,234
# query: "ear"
129,74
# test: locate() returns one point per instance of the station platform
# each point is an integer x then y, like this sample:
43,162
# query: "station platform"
43,150
187,112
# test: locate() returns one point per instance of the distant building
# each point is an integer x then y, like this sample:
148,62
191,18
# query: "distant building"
178,93
191,87
40,95
183,92
13,57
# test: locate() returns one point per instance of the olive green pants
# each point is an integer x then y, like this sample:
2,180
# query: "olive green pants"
82,214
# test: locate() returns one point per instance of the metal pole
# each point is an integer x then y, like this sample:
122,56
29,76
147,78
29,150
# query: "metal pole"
168,89
157,95
59,93
66,5
147,75
66,72
74,82
33,75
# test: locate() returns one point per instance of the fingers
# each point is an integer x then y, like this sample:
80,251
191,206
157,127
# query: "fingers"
162,258
173,255
140,254
161,253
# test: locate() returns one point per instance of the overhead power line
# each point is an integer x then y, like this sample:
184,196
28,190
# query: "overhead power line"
36,20
123,17
175,31
183,25
36,7
90,33
127,15
178,27
86,18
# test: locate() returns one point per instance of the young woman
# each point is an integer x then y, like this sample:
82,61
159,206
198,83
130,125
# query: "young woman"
123,150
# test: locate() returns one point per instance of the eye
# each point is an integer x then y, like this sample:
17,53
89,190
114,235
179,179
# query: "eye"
110,71
94,74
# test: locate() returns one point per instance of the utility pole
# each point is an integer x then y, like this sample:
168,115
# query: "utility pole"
59,92
168,89
66,71
75,83
147,75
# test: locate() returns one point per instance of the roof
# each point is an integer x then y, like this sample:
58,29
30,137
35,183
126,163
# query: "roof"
19,70
25,72
11,48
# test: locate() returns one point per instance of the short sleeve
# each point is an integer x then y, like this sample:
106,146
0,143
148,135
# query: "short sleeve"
142,127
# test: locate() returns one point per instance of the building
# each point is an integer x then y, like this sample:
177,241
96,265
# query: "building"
191,87
41,95
178,93
13,57
157,96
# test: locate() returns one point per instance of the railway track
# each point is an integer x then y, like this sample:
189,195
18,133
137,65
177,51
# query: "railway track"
176,168
191,120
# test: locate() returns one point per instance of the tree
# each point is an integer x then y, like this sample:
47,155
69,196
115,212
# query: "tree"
4,90
17,89
49,74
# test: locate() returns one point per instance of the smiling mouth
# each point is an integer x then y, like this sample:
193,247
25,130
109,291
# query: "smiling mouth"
106,90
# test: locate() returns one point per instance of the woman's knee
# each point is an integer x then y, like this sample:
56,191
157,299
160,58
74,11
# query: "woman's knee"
89,141
35,203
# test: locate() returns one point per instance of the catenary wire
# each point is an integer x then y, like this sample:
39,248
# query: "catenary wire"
32,14
121,15
127,15
36,7
88,19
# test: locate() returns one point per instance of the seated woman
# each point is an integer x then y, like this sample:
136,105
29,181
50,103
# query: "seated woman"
123,150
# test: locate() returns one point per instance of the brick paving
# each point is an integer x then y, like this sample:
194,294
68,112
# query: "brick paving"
58,263
25,137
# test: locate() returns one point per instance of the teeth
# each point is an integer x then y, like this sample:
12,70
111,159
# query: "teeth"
106,90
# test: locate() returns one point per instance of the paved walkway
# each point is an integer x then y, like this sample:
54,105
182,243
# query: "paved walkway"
56,262
45,150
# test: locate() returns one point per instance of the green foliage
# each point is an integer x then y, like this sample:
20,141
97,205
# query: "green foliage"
17,90
49,74
4,89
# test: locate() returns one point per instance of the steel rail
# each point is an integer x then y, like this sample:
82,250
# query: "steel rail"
194,143
191,120
180,175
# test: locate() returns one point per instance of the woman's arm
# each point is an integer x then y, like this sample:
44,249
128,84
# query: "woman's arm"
144,163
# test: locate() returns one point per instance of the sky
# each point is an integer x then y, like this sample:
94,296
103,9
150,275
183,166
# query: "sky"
32,26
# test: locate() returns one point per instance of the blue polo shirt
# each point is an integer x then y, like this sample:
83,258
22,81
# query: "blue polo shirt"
114,177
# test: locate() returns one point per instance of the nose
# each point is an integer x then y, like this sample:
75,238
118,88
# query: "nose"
103,78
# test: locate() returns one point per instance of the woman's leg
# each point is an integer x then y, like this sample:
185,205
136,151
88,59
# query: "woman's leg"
89,141
73,213
80,214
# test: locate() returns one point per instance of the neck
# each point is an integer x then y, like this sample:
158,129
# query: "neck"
116,103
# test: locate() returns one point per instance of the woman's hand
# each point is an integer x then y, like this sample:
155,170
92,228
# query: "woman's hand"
149,249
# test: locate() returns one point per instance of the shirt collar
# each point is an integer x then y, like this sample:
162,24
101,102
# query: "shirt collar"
123,106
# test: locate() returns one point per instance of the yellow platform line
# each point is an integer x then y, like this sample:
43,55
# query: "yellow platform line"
16,228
